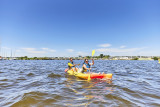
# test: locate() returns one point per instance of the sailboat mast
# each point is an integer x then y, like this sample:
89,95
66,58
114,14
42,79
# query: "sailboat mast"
11,55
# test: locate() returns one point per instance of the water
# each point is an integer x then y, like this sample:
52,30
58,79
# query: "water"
45,84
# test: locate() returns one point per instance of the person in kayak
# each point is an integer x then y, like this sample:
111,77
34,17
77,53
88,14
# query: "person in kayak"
71,65
87,66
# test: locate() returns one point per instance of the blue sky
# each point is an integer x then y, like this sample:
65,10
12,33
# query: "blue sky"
76,27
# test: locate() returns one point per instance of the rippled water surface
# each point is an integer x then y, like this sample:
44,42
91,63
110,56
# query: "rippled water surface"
45,84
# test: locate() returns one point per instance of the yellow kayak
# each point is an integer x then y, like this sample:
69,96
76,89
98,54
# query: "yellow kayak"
92,75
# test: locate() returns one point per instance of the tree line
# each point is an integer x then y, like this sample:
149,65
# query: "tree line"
101,56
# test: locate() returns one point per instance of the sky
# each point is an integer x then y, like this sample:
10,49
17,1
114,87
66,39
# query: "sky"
66,28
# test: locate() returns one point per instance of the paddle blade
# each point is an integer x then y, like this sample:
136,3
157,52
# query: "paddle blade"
93,52
89,77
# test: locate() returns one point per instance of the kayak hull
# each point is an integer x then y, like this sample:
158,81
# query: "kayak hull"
92,75
70,72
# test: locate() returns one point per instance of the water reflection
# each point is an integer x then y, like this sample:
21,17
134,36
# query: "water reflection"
88,91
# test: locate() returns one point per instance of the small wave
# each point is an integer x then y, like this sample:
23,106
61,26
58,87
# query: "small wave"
37,99
30,74
4,80
21,72
127,90
30,99
119,100
21,78
52,75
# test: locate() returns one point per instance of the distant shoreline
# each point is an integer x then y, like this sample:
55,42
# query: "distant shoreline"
82,59
101,57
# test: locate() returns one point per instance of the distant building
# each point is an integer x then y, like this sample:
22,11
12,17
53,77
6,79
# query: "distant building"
80,56
145,59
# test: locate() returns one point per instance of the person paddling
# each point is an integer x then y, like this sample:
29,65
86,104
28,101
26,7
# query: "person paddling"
87,66
71,65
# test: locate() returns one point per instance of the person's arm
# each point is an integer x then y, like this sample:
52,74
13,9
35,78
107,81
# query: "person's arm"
92,62
86,67
74,64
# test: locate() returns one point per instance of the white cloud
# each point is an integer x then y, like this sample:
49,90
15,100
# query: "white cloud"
45,48
51,50
122,46
28,49
18,50
81,53
104,45
120,51
32,51
39,52
70,50
6,48
148,52
48,50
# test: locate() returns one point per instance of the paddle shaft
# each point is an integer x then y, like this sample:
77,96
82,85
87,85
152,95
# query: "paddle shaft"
89,78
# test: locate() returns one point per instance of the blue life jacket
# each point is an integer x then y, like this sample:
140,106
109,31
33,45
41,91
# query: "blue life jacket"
87,65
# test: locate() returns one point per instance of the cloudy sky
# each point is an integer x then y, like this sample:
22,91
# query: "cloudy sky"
76,27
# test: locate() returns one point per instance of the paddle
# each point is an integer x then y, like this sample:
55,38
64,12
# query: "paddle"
72,64
89,77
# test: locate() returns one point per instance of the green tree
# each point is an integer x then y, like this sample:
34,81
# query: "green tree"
35,58
106,56
101,55
135,58
25,57
155,58
88,57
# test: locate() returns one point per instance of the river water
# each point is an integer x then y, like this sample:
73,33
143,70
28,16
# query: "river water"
41,83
